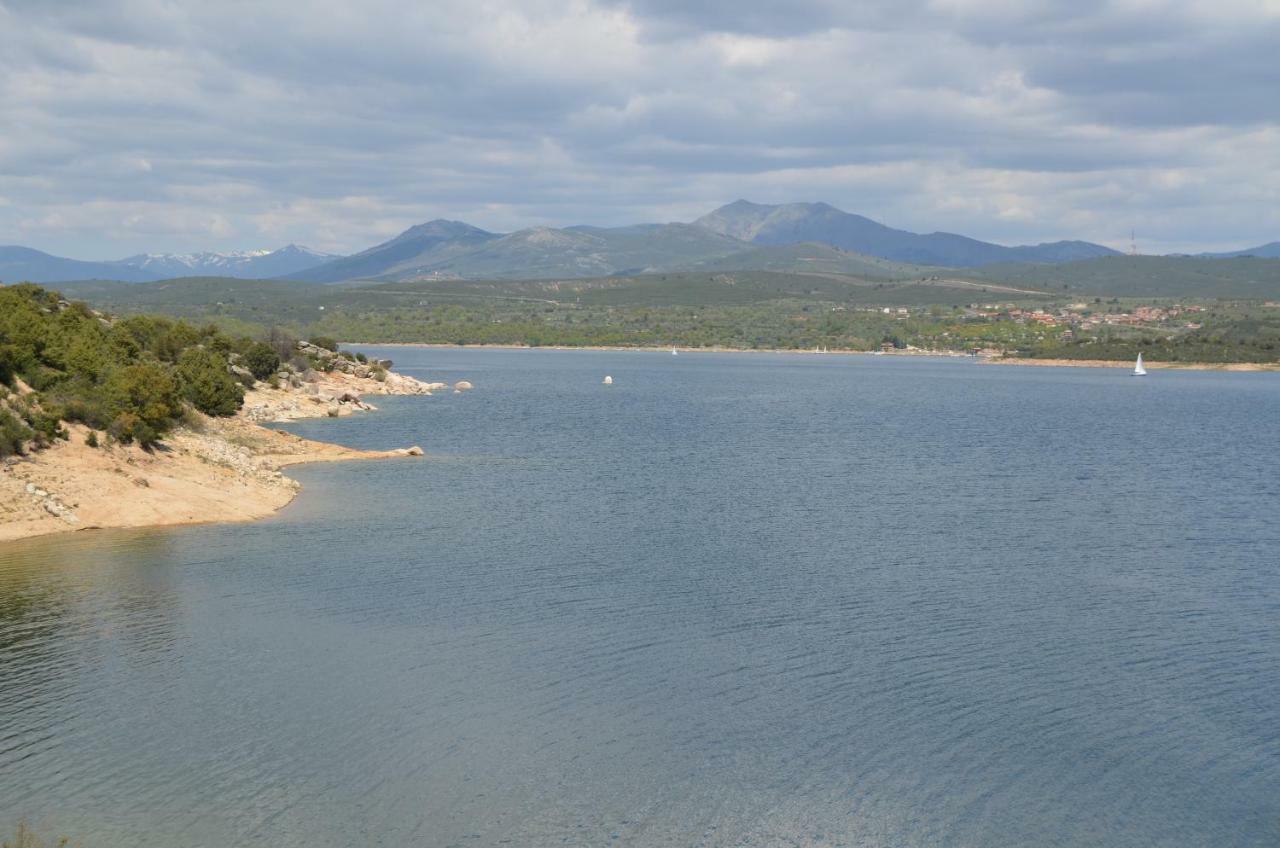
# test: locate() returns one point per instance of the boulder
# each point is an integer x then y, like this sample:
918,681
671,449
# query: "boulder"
333,410
413,451
462,386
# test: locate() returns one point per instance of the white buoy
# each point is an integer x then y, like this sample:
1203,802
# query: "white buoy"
608,381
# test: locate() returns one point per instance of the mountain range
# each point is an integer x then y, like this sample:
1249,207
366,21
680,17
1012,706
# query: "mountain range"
25,264
245,265
820,222
792,237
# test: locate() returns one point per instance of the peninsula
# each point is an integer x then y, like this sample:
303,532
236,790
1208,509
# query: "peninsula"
145,421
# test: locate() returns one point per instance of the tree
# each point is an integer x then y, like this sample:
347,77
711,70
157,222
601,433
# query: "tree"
205,382
262,360
145,400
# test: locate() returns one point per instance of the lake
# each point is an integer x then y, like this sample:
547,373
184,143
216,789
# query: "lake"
730,600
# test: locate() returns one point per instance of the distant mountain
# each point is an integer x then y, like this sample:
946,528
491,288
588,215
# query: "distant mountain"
245,265
1271,250
794,223
432,241
451,249
584,252
23,264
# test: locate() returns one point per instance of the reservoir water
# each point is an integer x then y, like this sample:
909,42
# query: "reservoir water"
730,600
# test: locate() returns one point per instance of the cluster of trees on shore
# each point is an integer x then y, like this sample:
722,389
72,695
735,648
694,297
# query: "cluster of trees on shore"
132,379
1229,336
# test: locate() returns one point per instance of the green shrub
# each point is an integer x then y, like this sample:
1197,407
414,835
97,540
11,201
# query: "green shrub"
14,434
261,360
129,378
324,342
204,381
146,400
92,439
11,363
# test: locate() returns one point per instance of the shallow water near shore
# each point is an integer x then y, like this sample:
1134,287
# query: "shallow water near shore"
732,599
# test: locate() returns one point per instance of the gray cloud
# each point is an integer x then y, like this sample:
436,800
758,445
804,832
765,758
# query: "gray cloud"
146,125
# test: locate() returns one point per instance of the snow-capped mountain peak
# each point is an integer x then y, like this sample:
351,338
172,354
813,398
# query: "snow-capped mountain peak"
246,264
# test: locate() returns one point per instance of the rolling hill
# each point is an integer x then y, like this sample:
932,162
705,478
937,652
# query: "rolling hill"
1271,250
1247,278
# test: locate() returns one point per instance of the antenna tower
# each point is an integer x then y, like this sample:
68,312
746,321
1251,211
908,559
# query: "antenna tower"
1133,244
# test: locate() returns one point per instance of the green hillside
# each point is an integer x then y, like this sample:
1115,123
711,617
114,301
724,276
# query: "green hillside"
1242,278
132,379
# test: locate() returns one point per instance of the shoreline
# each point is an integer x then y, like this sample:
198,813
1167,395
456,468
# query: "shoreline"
224,470
934,354
1127,364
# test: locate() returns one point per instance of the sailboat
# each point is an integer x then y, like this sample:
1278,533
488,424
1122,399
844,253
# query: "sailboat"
1139,370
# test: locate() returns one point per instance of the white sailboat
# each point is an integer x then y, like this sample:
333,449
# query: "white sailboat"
1139,370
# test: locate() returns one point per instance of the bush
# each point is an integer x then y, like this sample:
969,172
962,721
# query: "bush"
14,434
324,342
262,360
284,343
11,362
146,400
204,381
92,439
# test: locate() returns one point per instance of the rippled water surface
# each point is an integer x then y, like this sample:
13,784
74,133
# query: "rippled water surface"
730,600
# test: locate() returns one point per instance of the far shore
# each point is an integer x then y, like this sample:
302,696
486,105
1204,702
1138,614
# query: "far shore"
936,354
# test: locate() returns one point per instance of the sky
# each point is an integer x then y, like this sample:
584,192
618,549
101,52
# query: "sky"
132,126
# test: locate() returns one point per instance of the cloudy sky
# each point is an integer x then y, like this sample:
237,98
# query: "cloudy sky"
167,125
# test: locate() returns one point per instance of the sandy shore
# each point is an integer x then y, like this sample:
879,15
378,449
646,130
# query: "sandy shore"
1111,363
227,469
943,354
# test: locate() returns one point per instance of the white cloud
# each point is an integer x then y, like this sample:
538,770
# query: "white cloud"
145,125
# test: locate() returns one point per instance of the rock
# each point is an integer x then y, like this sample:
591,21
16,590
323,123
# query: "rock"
349,397
462,386
361,371
31,488
242,373
57,510
332,411
413,451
